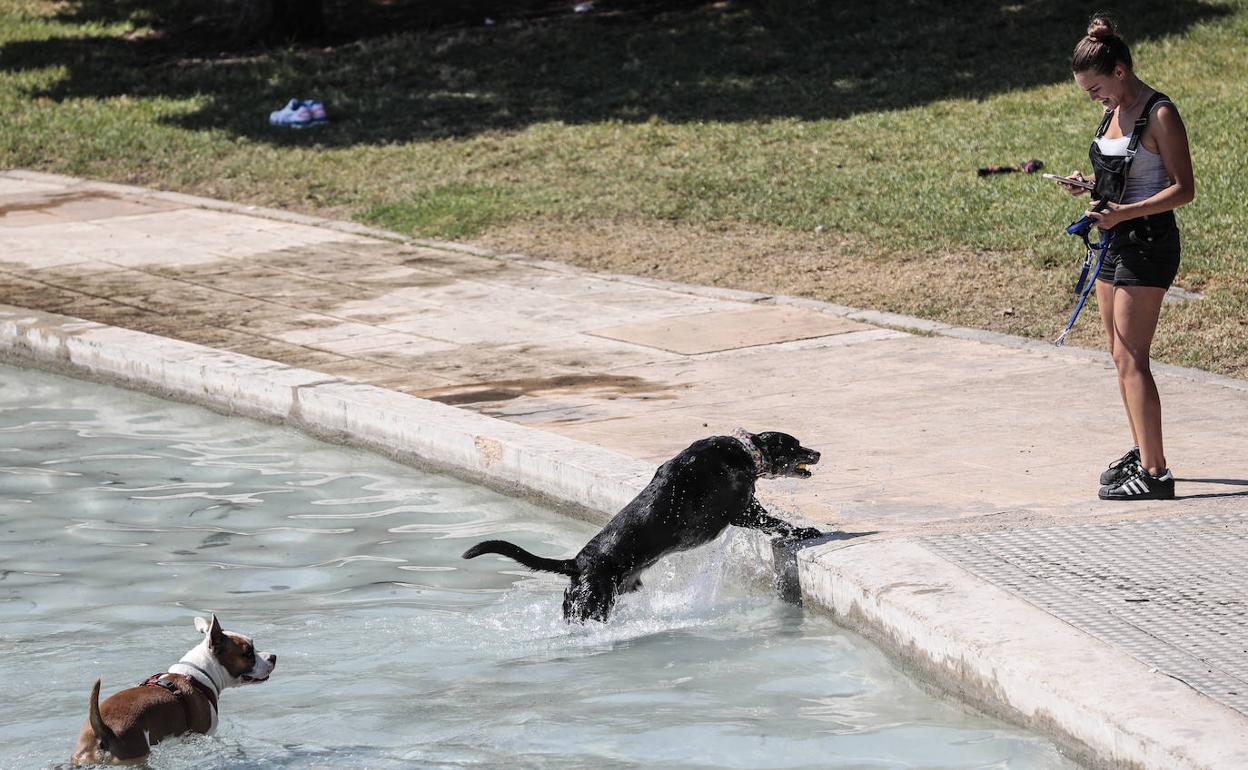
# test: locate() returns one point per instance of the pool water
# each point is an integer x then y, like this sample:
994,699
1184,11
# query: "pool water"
123,516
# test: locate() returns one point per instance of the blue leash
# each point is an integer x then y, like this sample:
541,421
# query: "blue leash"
1087,276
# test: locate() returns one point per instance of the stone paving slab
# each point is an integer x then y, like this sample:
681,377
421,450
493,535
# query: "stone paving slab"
730,329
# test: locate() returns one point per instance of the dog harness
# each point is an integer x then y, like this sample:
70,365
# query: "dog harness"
747,440
1111,172
159,680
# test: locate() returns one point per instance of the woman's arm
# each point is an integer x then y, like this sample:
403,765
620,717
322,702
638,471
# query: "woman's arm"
1171,136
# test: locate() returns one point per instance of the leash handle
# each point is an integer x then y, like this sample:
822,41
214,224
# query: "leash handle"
1083,225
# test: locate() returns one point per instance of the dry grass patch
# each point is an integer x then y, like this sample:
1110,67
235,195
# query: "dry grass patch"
980,289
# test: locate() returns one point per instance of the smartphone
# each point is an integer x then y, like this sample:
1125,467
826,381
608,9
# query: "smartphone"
1071,182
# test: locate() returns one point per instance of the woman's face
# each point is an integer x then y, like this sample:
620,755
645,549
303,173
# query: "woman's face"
1106,89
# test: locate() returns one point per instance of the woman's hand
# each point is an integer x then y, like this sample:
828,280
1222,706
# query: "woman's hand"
1075,190
1110,216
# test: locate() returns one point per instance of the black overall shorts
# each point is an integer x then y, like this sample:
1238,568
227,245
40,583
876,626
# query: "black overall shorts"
1143,251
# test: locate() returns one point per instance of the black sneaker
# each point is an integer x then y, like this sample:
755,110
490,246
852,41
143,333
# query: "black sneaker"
1121,468
1140,485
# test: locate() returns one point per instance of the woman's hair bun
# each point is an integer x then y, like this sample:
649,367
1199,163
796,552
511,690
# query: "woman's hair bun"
1102,49
1101,28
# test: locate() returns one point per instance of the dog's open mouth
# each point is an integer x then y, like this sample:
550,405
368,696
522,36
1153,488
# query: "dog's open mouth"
254,679
802,470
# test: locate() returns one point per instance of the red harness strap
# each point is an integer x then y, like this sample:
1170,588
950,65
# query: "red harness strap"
159,680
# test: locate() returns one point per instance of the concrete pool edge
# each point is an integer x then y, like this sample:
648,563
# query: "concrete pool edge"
576,478
1016,661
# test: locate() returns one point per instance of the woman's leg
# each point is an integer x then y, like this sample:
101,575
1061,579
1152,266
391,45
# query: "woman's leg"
1135,313
1105,304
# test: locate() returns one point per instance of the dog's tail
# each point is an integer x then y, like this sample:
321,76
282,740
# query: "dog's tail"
106,737
513,551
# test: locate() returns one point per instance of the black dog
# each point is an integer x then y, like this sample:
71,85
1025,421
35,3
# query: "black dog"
690,500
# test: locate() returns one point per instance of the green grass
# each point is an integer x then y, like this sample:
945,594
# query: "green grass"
448,212
709,128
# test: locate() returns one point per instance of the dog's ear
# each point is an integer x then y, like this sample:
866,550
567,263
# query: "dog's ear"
212,629
216,634
769,441
777,447
776,441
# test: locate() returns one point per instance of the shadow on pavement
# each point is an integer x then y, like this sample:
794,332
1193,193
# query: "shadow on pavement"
1229,482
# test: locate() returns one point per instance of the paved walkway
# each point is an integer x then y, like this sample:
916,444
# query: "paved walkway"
983,446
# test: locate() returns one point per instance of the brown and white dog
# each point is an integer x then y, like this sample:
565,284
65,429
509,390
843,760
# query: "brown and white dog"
125,726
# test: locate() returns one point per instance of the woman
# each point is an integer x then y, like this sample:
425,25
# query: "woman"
1142,172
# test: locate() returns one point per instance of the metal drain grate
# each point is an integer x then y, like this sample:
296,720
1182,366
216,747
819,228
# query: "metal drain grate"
1172,593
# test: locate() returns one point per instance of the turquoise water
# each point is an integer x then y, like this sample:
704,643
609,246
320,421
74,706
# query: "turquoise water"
123,516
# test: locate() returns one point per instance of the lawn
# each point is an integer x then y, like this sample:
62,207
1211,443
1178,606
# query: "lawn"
814,148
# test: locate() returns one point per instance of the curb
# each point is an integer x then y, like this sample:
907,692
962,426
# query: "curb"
876,317
505,456
958,632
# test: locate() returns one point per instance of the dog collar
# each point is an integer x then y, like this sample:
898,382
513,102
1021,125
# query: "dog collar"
194,678
747,441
